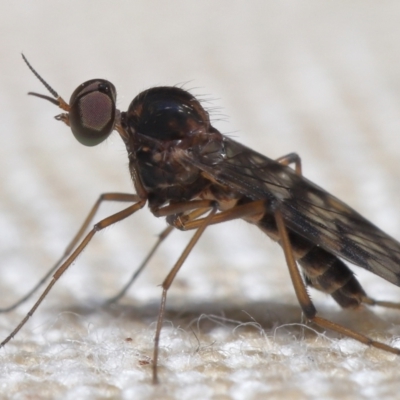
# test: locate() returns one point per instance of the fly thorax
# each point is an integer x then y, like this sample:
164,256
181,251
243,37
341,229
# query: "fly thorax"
159,169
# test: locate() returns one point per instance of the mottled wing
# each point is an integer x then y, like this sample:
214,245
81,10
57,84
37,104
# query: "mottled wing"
307,209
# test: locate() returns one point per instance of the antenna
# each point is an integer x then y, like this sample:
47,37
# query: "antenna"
59,102
46,85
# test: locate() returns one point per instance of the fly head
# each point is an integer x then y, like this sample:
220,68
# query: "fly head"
91,112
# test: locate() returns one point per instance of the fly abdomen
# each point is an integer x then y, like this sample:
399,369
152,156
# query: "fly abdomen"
321,269
326,272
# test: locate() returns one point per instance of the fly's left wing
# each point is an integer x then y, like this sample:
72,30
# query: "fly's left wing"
307,209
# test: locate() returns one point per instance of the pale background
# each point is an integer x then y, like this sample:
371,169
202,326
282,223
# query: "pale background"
318,78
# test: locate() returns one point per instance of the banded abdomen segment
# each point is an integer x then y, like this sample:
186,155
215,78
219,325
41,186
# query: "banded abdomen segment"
321,269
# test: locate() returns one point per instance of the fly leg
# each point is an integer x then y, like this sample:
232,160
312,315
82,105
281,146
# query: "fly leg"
172,210
122,197
192,220
372,302
291,158
304,299
104,223
253,210
161,237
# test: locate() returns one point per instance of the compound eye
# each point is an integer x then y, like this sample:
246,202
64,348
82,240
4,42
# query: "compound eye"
92,111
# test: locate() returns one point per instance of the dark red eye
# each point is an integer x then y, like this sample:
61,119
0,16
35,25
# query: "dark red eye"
92,111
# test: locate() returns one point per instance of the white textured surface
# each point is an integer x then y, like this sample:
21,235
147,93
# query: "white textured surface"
319,78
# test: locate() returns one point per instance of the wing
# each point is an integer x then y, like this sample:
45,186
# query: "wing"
307,209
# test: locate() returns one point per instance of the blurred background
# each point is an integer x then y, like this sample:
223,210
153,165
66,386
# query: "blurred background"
318,78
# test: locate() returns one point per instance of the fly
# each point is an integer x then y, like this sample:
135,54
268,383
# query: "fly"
187,171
